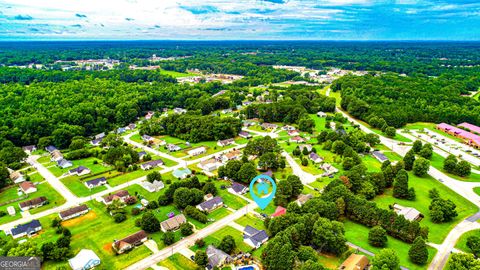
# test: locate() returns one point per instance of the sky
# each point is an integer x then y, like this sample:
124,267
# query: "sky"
239,19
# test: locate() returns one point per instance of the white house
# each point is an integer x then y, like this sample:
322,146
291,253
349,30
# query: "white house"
152,187
85,259
253,237
197,151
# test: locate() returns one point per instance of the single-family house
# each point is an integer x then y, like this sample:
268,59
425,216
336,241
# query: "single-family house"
179,110
380,156
279,211
100,136
56,155
63,163
85,259
29,149
80,170
147,138
73,212
154,186
315,157
296,139
141,155
246,103
149,115
121,130
11,210
269,126
182,173
303,198
329,169
409,213
226,142
173,223
234,154
308,146
197,151
173,148
217,258
151,164
244,134
27,229
131,126
121,195
293,132
253,237
209,165
33,203
355,262
17,177
27,187
50,148
237,188
211,204
129,242
96,182
288,128
321,114
96,142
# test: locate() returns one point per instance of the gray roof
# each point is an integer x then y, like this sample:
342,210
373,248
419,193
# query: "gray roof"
152,163
217,256
238,188
50,148
97,181
380,156
63,162
314,156
79,169
256,236
210,204
26,228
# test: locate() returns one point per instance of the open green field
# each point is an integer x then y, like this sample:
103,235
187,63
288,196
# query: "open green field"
462,241
371,163
77,187
177,262
250,219
216,238
438,232
358,235
176,74
231,200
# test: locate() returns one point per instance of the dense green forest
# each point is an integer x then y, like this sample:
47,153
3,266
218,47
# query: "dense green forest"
431,58
400,100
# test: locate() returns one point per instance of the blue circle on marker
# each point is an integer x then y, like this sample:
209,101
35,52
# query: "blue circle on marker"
262,188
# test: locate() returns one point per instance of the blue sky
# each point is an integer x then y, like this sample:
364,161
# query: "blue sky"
240,19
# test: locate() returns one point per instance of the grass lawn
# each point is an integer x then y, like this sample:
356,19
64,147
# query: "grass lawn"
251,220
372,164
437,162
176,74
177,261
96,231
87,162
392,156
5,196
216,238
231,200
438,232
78,188
462,241
358,235
319,122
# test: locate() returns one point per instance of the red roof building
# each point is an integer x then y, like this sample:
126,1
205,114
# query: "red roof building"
280,211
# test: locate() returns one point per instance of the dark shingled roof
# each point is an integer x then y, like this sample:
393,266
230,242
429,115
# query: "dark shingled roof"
73,211
33,202
26,228
211,203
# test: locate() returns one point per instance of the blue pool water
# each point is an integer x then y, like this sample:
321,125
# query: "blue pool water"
247,268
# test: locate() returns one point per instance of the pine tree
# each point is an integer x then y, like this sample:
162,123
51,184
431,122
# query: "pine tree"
409,159
418,252
400,186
